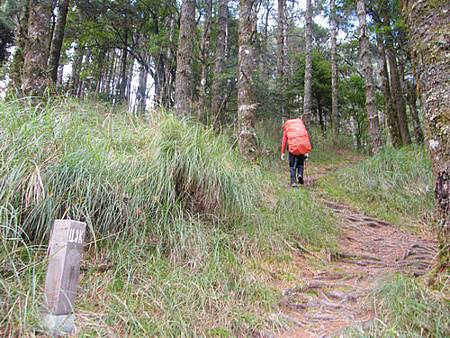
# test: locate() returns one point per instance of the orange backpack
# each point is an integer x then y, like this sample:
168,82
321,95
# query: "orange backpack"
297,137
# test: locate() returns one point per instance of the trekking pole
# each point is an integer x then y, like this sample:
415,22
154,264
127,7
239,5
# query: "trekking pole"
306,173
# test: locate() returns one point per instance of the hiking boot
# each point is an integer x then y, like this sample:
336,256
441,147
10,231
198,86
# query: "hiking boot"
300,180
294,185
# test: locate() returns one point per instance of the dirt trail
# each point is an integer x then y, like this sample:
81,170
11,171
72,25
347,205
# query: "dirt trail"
327,301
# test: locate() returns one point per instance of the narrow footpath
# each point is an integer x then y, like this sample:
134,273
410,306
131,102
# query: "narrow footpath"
328,300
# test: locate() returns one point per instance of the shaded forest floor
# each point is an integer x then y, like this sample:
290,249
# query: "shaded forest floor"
332,294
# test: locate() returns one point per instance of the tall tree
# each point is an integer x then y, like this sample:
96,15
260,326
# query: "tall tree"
412,98
184,74
334,68
307,98
246,98
264,51
281,53
429,28
16,69
205,52
396,89
35,71
389,110
221,44
141,93
58,37
374,129
170,70
76,70
123,66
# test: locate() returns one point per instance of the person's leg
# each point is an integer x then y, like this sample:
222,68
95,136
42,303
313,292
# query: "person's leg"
300,166
292,167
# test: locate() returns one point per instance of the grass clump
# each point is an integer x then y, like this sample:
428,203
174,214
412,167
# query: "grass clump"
395,185
112,170
405,307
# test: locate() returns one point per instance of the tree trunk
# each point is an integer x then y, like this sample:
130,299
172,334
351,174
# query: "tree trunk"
412,96
60,75
170,67
35,72
160,81
141,94
334,69
389,111
396,86
429,29
16,69
281,55
320,112
184,75
84,85
264,43
101,67
58,37
204,50
116,77
307,100
246,99
130,72
53,24
109,77
374,130
76,69
217,90
123,72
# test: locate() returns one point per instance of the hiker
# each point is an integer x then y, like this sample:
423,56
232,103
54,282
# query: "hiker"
297,139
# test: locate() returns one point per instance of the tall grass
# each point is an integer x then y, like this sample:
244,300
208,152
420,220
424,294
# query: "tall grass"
178,219
113,170
405,307
396,185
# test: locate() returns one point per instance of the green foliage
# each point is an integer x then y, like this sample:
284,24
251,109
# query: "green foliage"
329,149
353,105
395,185
321,81
405,307
8,10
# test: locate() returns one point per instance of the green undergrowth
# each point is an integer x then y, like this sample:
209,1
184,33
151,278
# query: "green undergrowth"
331,150
178,222
395,185
406,307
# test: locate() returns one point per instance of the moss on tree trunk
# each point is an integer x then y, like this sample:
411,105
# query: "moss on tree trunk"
184,76
374,129
36,76
429,28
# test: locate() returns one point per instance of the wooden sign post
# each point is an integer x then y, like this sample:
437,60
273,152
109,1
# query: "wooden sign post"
61,282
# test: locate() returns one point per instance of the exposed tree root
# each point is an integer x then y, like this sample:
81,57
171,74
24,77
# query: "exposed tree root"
329,301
